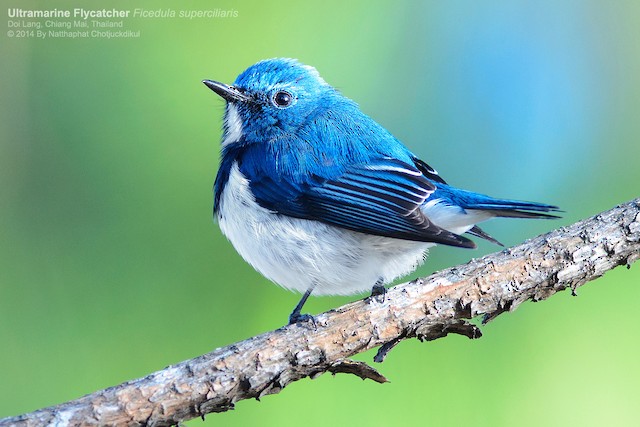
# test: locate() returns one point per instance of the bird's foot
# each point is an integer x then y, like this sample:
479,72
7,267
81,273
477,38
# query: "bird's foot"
296,315
378,293
298,318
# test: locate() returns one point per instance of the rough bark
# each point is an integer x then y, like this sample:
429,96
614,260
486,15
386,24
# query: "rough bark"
426,309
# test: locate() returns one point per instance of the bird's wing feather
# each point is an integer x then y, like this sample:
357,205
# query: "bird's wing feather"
381,198
428,171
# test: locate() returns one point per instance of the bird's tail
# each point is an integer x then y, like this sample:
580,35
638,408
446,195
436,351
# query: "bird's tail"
492,207
505,208
513,208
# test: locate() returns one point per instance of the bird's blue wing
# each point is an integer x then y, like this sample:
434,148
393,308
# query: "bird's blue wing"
382,198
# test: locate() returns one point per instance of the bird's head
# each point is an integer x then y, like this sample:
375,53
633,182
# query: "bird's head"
273,98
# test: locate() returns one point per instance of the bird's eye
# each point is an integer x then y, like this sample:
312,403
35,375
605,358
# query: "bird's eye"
282,99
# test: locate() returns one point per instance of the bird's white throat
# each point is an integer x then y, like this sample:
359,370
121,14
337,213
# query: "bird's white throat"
232,125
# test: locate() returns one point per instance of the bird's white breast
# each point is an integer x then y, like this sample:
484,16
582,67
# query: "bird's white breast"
298,254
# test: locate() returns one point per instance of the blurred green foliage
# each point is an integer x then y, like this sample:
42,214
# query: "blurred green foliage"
111,266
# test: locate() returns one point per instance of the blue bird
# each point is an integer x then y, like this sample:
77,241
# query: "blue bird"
319,198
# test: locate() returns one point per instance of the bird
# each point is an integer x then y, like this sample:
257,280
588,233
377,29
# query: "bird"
321,199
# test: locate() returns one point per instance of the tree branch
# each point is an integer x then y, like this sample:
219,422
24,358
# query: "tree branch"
426,309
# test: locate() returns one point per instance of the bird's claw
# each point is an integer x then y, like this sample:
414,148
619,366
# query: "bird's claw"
298,318
378,294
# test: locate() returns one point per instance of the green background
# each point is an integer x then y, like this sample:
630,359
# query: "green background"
111,266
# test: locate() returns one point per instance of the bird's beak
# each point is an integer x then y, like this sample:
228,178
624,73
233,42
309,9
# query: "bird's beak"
228,93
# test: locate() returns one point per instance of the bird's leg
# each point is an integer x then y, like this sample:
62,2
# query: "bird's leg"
295,315
378,291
